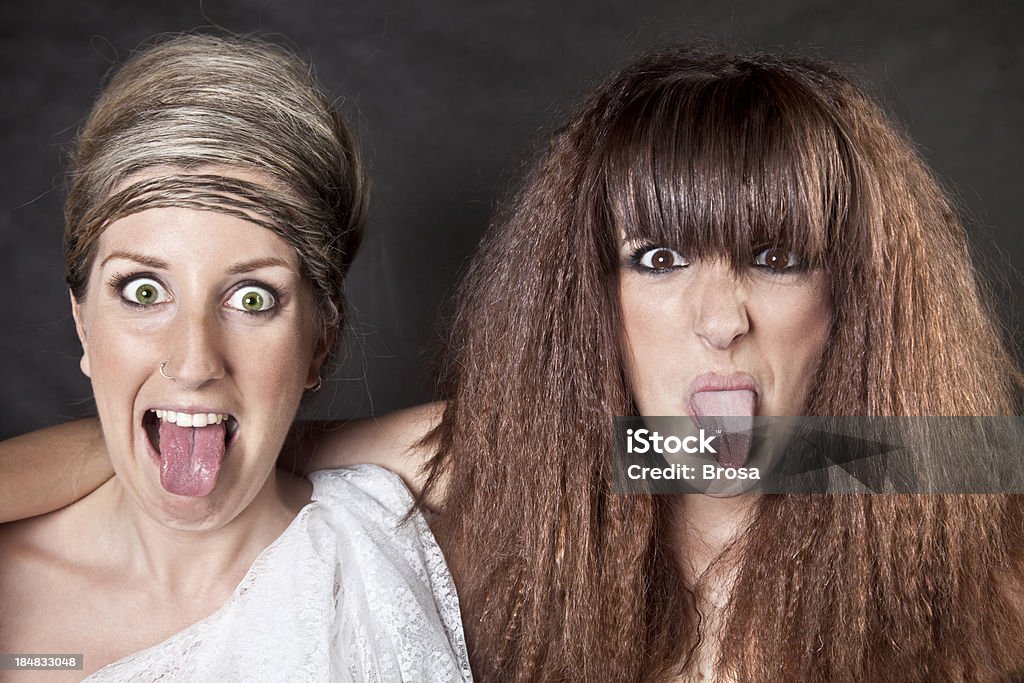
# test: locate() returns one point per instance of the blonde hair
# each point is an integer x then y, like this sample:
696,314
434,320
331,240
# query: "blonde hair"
187,105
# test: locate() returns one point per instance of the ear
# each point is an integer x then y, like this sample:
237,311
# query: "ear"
323,346
76,312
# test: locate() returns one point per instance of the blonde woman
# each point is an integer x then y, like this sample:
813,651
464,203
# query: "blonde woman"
216,202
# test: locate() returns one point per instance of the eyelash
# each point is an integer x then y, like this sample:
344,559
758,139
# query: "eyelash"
118,281
636,258
274,292
799,265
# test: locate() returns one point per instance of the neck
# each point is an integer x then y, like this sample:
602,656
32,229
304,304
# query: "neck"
705,527
200,565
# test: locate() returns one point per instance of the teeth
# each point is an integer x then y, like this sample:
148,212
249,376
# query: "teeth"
192,419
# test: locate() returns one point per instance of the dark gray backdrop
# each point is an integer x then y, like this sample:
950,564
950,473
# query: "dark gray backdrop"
449,99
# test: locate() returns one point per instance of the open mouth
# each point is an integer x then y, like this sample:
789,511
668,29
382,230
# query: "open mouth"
189,448
152,419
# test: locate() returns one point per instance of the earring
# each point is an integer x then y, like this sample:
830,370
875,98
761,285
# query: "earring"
163,372
319,385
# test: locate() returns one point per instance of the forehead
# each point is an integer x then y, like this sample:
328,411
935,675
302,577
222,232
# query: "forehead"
200,240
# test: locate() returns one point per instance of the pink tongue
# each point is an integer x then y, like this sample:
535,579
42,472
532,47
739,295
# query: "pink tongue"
190,458
737,409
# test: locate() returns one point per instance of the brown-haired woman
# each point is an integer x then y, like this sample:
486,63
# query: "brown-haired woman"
720,235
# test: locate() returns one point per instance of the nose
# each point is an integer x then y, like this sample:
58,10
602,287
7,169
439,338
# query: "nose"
194,354
722,316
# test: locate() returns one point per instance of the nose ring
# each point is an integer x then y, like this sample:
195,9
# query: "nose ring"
163,372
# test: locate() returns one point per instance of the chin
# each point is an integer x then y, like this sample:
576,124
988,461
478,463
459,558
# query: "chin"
186,513
191,514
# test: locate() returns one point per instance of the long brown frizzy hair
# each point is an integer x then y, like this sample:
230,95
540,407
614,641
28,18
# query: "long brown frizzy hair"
562,580
183,109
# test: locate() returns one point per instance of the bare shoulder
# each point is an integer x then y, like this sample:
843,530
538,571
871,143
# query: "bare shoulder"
394,441
54,534
41,558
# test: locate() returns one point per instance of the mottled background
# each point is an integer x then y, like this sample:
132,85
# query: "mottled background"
451,99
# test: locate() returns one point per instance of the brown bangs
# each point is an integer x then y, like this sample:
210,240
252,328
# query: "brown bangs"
728,166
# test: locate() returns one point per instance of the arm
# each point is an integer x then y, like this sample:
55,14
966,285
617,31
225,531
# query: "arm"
48,469
391,441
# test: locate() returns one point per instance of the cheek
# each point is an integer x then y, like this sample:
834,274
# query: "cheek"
281,377
118,354
797,334
273,387
816,322
271,358
652,331
274,362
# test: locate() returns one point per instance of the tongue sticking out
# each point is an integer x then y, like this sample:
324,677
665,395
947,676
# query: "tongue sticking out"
733,413
190,458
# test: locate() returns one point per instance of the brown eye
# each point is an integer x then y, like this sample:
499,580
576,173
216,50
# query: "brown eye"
660,259
777,259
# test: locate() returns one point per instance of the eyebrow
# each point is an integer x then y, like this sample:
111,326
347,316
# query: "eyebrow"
143,259
257,263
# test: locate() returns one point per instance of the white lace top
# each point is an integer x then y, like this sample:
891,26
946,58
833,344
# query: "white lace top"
347,593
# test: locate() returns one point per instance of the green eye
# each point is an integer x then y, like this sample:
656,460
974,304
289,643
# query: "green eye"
252,300
144,291
145,294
